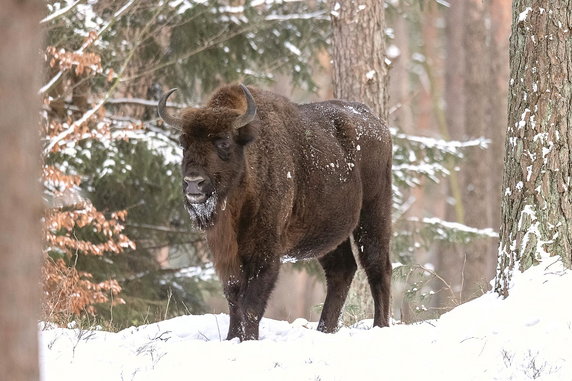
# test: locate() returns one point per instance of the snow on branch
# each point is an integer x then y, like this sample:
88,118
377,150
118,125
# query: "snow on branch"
142,102
451,146
452,231
75,125
47,87
318,15
59,12
417,156
443,3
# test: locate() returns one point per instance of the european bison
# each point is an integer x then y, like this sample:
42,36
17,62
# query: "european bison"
267,179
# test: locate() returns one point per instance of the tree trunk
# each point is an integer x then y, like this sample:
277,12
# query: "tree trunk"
20,199
399,87
358,52
536,197
450,257
360,74
475,176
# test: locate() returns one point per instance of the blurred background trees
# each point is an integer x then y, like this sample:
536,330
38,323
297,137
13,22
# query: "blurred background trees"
117,240
20,204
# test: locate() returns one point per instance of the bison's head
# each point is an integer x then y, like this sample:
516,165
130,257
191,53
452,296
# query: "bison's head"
213,140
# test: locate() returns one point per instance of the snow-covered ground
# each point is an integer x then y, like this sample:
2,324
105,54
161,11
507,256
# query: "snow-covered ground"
526,336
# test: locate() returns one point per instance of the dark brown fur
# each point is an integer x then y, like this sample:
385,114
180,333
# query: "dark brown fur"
297,181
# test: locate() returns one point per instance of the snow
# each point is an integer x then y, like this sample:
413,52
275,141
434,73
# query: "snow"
489,232
184,5
393,51
318,15
205,273
522,121
58,12
257,3
524,14
205,210
292,48
526,336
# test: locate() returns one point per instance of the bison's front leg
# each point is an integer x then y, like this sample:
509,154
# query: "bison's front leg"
232,287
248,294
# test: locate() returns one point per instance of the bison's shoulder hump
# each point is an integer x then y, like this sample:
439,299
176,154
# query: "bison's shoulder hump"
342,112
230,97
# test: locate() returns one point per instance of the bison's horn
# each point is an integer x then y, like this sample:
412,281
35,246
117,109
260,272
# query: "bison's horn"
250,112
170,120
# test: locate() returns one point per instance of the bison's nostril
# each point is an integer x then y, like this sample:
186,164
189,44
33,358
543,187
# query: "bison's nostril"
194,179
195,184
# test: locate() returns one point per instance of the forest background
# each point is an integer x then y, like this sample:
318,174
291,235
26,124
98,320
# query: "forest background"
119,248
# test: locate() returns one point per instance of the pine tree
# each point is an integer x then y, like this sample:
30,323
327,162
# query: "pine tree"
536,201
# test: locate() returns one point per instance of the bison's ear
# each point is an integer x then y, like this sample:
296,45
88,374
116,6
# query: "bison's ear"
247,133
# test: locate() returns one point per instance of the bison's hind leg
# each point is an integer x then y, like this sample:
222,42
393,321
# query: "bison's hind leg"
339,267
372,239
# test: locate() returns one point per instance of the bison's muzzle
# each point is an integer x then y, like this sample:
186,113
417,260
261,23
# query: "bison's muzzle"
197,188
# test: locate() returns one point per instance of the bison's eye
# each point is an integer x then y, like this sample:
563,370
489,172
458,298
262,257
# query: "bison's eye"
183,141
222,144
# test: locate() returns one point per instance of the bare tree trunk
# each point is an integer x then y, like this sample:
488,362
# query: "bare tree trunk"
536,196
20,200
450,257
475,175
358,52
399,87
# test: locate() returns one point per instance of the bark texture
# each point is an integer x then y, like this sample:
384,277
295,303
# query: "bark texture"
20,199
536,196
358,52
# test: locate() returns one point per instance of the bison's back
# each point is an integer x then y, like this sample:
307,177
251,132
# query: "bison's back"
362,137
335,153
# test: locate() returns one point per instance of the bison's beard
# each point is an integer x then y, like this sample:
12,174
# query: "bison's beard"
203,214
